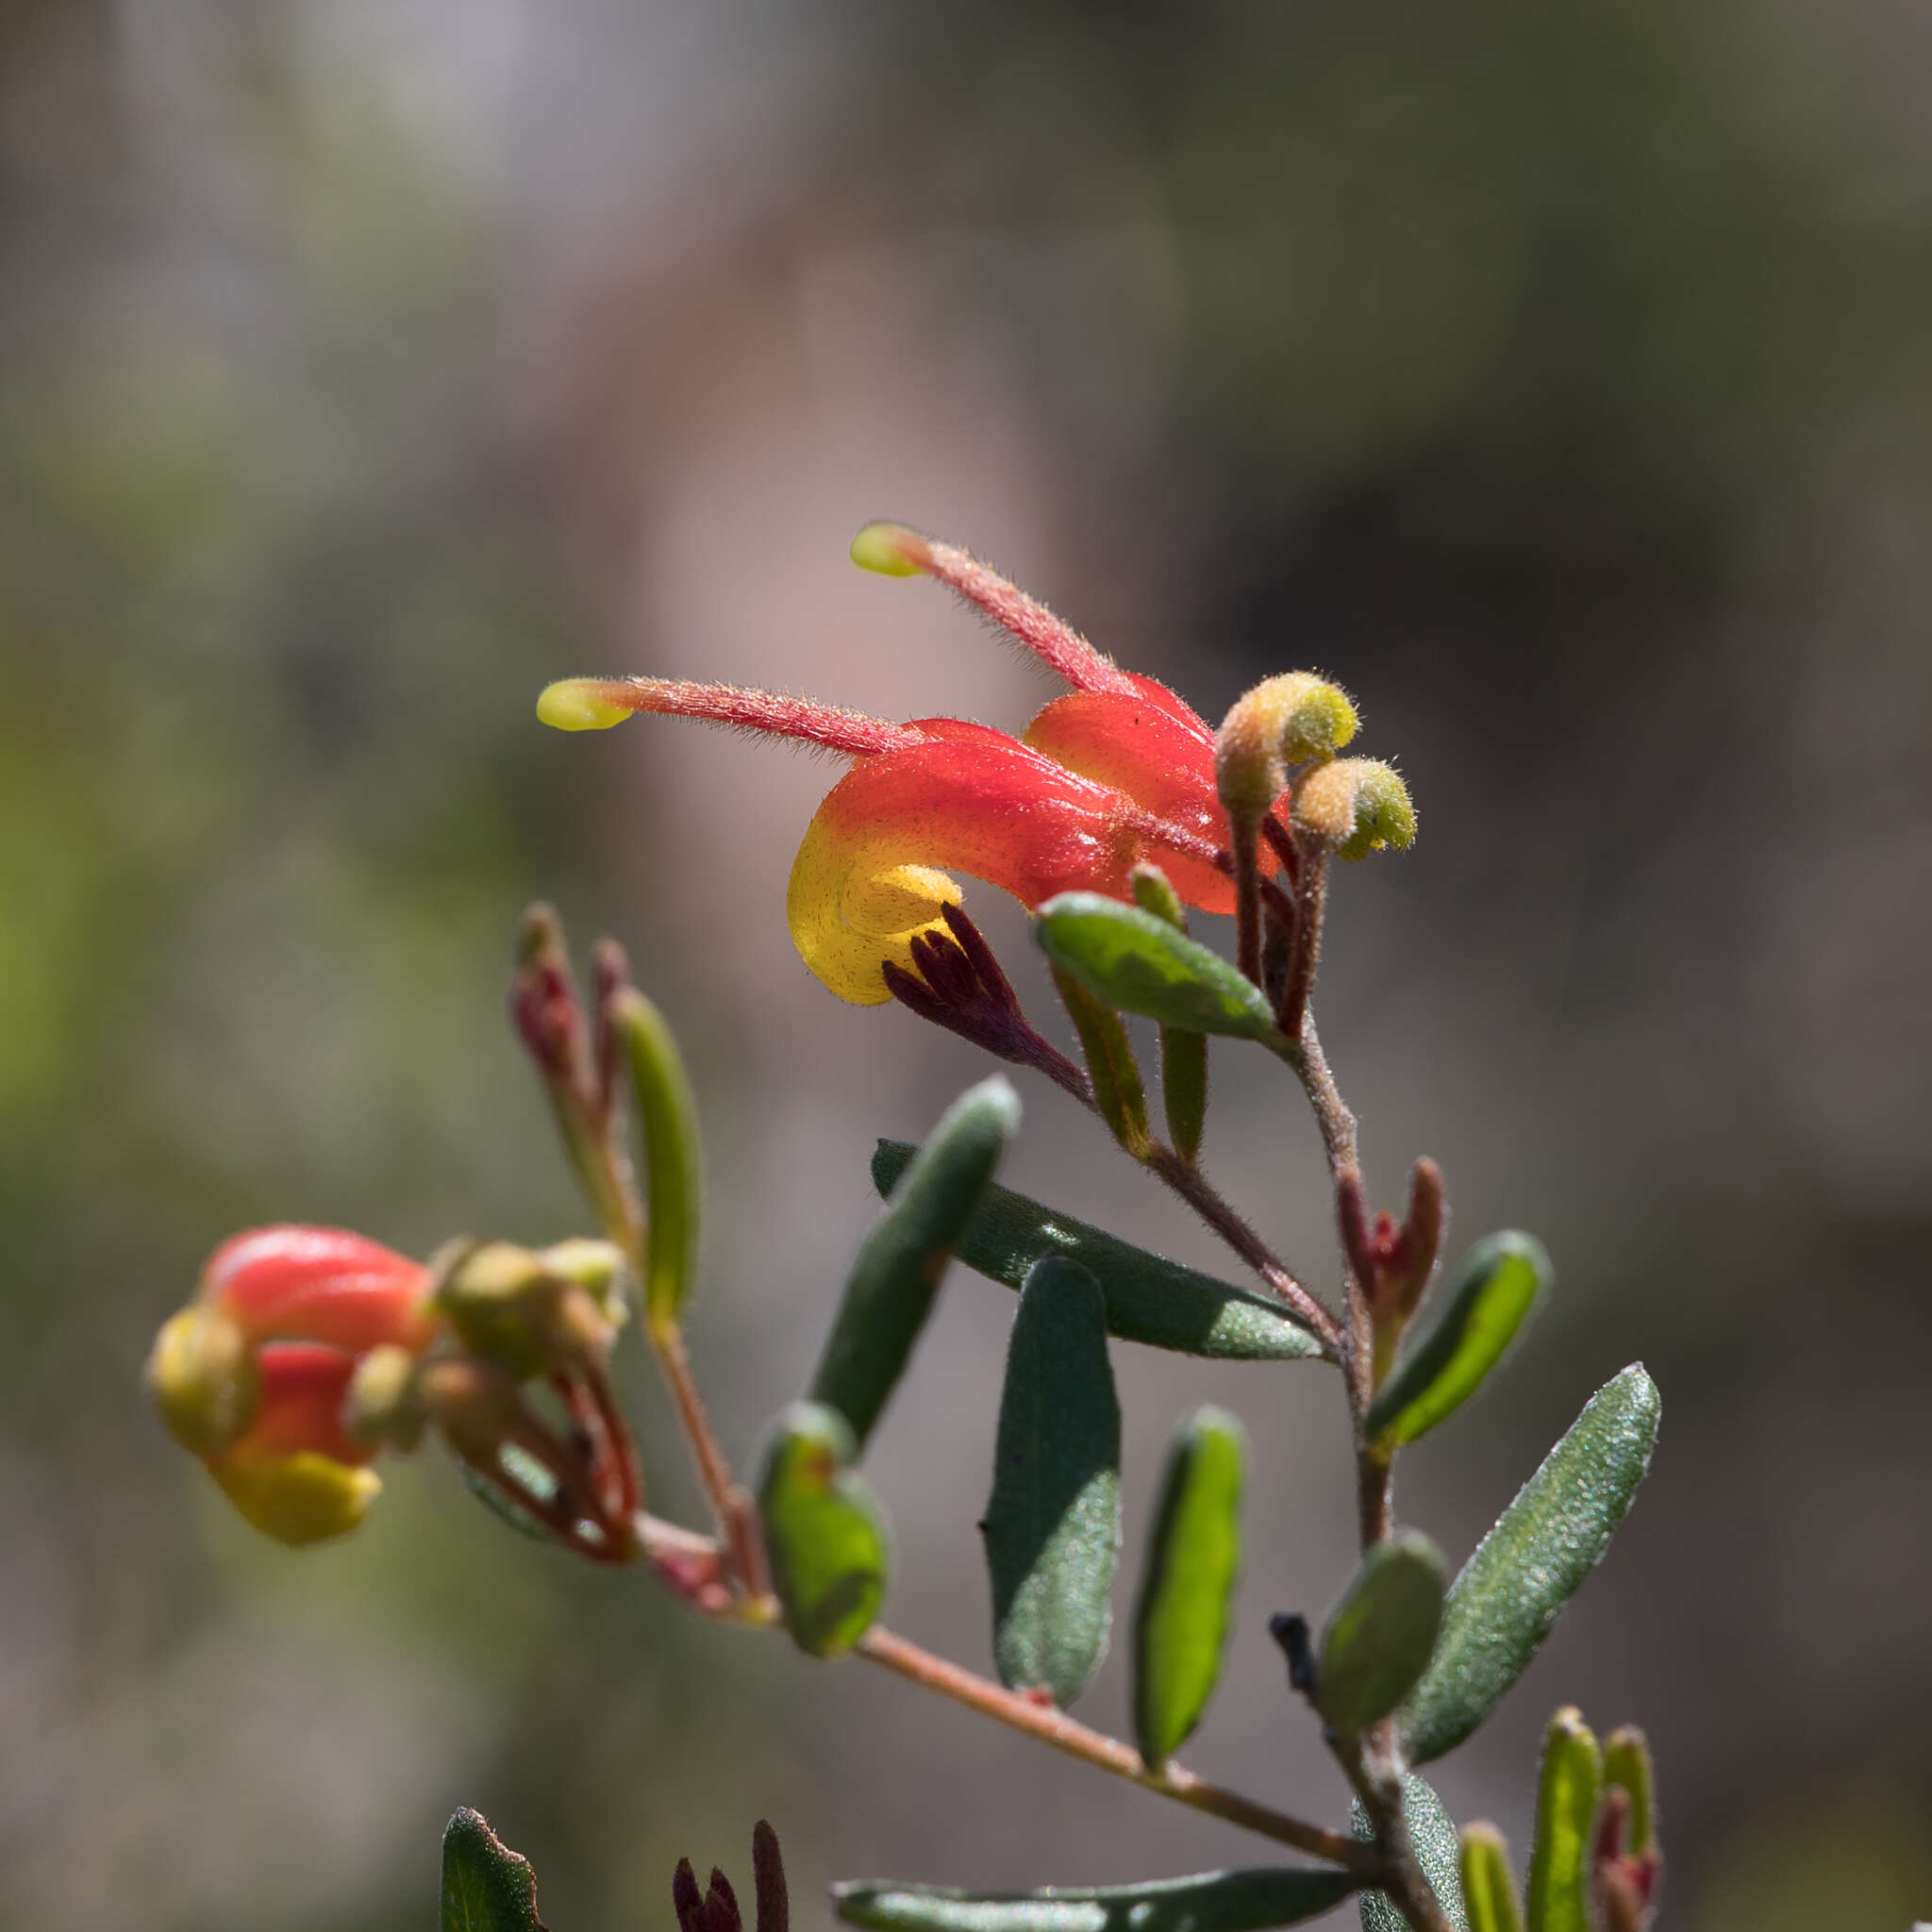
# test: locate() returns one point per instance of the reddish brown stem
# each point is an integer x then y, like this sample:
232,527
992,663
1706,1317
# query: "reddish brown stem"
1055,1728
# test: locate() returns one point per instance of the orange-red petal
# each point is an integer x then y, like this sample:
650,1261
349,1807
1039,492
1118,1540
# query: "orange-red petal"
320,1284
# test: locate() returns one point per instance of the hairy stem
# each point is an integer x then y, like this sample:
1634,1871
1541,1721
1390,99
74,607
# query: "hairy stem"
1055,1728
1194,1188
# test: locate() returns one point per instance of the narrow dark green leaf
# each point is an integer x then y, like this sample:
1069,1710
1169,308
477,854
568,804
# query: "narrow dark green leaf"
1378,1636
1437,1851
1215,1902
1489,1885
1137,963
897,1270
486,1885
1053,1525
1115,1072
824,1532
1493,1292
1536,1558
1186,1607
1627,1766
1183,1055
1567,1791
667,1119
1149,1299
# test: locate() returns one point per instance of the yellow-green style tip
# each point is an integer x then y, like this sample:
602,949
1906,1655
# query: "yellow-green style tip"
578,704
888,548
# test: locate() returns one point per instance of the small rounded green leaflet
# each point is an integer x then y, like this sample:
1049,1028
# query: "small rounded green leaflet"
1627,1768
1492,1292
1149,1299
486,1885
825,1531
1437,1851
1185,1611
896,1274
667,1117
1138,963
1378,1636
1567,1788
1535,1558
1489,1885
1247,1901
1053,1523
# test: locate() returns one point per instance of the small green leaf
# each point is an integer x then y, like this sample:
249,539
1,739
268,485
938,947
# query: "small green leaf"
1183,1055
1378,1636
824,1532
1489,1885
1215,1902
1495,1289
1186,1607
1053,1525
1110,1064
486,1885
897,1270
1138,963
1437,1851
1149,1299
1536,1558
1627,1767
1567,1793
667,1119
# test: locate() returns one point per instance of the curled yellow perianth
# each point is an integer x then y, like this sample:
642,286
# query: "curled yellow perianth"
849,919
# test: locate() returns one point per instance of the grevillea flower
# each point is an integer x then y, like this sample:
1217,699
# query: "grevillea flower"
254,1374
1118,772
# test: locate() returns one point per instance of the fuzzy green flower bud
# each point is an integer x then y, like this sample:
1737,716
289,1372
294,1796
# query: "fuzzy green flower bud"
509,1306
1284,721
1357,806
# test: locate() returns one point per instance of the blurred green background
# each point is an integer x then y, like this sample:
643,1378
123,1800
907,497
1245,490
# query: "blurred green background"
1557,374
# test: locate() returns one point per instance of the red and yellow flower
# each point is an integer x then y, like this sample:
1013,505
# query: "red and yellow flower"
1117,771
253,1375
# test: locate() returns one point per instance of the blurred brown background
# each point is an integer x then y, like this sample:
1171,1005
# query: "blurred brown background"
1558,375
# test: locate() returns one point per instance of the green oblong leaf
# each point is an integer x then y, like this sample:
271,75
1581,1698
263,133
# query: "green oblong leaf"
1215,1902
1489,1885
486,1885
1149,1299
1183,1055
1138,963
1111,1067
1437,1851
1053,1525
1536,1558
1378,1636
1185,1611
1627,1766
667,1119
1493,1292
1568,1787
825,1531
897,1270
